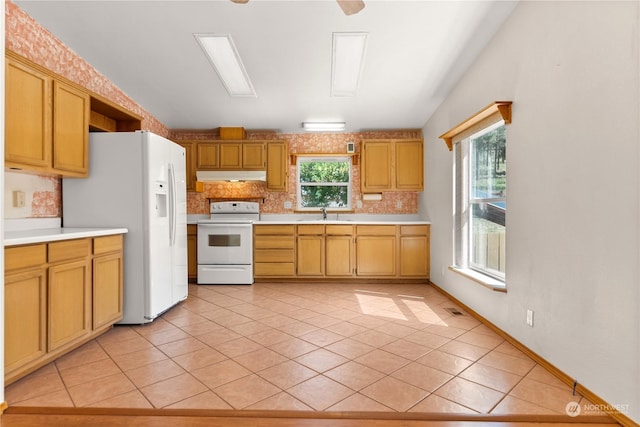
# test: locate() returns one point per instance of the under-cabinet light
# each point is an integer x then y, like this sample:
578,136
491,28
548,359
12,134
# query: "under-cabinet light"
224,57
347,62
324,126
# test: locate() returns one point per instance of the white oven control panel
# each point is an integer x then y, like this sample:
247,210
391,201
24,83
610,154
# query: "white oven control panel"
234,207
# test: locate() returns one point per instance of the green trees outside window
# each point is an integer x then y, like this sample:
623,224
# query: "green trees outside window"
324,182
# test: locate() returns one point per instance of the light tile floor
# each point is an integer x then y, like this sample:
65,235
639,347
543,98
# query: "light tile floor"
323,347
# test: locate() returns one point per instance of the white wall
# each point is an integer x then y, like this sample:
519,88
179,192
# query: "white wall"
573,241
2,211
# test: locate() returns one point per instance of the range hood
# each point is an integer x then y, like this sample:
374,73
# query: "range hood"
233,176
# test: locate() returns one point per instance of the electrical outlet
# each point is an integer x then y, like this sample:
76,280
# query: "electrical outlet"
288,205
399,204
530,317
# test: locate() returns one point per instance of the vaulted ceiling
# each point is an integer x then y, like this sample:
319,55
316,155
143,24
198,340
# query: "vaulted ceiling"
416,51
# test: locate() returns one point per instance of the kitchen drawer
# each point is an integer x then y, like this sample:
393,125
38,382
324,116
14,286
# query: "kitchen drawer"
274,255
273,229
419,230
274,269
376,230
274,242
25,256
106,244
69,249
339,230
311,229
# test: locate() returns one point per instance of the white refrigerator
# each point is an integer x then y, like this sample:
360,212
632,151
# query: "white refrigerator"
137,180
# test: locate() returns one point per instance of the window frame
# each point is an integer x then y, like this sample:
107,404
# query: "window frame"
324,158
497,111
466,200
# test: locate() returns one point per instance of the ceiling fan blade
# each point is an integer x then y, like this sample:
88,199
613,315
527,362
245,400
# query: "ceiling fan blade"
240,1
349,7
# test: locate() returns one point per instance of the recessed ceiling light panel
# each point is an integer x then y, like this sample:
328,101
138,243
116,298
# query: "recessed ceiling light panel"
347,62
224,57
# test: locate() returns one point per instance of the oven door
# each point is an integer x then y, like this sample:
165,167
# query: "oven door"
225,244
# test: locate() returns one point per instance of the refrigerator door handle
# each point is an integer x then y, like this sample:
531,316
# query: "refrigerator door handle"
172,205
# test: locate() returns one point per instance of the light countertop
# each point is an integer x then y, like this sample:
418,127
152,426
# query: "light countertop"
44,235
332,218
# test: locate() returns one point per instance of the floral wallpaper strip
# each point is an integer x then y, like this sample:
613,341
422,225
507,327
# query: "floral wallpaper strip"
45,204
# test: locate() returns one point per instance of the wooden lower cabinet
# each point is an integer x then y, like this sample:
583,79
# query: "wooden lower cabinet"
341,251
414,251
310,255
376,256
69,303
192,252
58,296
25,296
274,251
376,250
107,281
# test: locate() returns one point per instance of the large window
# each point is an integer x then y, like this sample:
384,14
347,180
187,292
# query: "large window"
481,184
324,182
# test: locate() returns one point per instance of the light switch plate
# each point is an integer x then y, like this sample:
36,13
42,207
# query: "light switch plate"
18,199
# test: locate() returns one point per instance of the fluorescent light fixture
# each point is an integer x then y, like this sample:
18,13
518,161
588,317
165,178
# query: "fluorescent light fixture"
224,57
347,62
324,126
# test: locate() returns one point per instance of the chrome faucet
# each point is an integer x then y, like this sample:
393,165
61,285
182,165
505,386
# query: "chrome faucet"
324,212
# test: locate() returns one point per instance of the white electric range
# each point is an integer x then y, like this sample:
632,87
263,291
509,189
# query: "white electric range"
225,244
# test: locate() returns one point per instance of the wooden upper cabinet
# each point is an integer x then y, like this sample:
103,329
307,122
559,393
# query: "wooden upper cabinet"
243,155
46,122
409,165
253,155
277,166
230,155
392,165
207,154
27,117
376,166
71,109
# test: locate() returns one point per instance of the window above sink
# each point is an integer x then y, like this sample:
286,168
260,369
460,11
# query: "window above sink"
323,183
